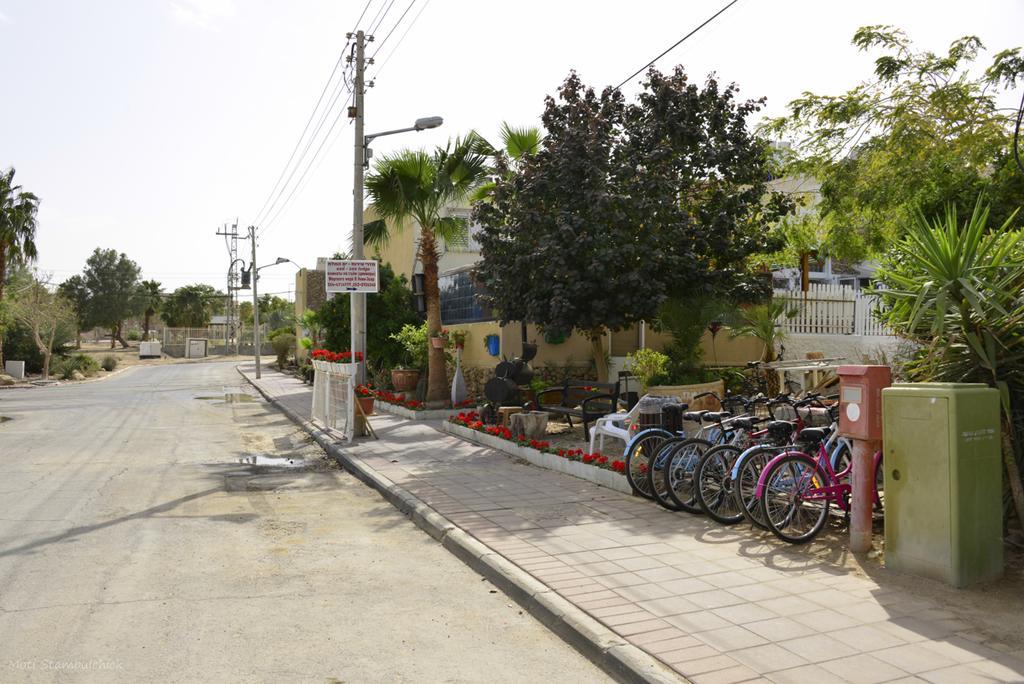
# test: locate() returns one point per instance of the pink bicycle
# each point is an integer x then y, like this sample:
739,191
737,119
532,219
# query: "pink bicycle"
795,489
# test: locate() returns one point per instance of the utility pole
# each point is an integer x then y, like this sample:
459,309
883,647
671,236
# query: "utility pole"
358,299
255,275
233,322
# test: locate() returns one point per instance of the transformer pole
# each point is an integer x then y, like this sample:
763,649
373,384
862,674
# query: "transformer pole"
357,303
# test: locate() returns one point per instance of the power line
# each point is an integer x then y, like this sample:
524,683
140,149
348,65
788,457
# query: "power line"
678,42
382,17
299,141
381,43
309,166
408,28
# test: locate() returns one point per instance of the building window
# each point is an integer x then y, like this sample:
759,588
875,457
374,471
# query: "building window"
467,243
460,300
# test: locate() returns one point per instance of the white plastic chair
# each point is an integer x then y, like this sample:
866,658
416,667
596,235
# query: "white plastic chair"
612,425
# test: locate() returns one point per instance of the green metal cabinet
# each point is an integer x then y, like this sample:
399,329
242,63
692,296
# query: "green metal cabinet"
943,481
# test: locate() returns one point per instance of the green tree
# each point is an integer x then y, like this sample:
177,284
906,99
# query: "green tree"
75,291
275,312
152,301
386,312
761,321
420,187
925,131
956,291
517,143
18,210
43,313
628,205
113,282
192,306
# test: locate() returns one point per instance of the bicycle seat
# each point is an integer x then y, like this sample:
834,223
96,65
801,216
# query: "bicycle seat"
746,423
693,416
716,416
813,435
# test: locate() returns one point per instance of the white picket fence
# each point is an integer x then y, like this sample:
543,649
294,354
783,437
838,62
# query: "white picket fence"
830,310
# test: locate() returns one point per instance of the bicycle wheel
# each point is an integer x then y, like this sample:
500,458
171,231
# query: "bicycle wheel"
713,484
656,473
744,485
792,503
644,445
679,474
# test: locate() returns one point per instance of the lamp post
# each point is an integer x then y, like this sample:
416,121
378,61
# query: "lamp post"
256,309
363,154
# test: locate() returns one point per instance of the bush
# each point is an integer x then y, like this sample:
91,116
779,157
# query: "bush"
413,339
83,363
109,363
283,343
647,364
19,345
133,336
277,332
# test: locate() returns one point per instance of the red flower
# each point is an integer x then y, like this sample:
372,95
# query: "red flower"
619,466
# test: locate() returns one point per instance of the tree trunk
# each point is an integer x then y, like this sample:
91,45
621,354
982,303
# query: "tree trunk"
120,337
113,337
437,377
1012,471
805,272
145,326
78,336
600,361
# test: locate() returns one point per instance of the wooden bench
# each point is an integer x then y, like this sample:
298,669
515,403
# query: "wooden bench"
582,399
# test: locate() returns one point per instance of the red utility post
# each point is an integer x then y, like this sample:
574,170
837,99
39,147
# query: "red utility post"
860,418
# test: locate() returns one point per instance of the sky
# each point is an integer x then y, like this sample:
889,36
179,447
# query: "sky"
147,125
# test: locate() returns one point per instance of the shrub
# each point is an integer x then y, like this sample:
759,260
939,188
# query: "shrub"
283,343
83,363
133,336
277,332
647,364
109,363
413,339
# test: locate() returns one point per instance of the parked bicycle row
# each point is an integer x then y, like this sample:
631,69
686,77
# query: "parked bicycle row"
778,463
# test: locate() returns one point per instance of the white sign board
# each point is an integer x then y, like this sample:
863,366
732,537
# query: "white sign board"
350,275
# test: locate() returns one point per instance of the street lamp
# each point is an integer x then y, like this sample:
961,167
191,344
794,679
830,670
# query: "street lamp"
256,308
362,161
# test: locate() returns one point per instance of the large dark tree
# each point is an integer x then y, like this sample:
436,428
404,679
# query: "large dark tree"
113,282
628,205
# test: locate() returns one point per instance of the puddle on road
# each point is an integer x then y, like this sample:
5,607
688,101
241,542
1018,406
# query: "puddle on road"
229,398
274,461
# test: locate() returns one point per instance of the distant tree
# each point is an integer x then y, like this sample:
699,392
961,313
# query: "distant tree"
276,312
626,206
152,300
113,282
75,291
245,312
925,131
18,209
192,306
43,312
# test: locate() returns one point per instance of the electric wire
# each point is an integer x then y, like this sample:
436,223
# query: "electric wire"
381,43
401,39
677,43
298,142
336,94
309,166
382,17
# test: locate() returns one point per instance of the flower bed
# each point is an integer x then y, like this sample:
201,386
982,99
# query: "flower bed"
334,357
596,468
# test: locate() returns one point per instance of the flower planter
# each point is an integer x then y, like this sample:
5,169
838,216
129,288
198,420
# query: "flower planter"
366,404
438,342
404,379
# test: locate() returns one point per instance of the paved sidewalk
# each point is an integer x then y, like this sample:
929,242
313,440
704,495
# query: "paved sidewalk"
717,604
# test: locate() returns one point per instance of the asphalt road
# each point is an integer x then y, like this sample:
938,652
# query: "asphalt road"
137,543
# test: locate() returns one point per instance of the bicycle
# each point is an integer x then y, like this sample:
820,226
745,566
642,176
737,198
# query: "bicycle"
796,489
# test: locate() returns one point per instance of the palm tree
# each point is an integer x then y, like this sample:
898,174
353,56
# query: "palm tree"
149,293
761,321
420,186
18,210
517,143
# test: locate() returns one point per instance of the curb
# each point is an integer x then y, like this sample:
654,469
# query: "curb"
612,653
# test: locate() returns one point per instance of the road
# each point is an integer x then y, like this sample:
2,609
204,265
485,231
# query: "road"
138,544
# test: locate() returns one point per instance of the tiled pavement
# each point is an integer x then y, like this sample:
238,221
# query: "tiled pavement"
717,604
